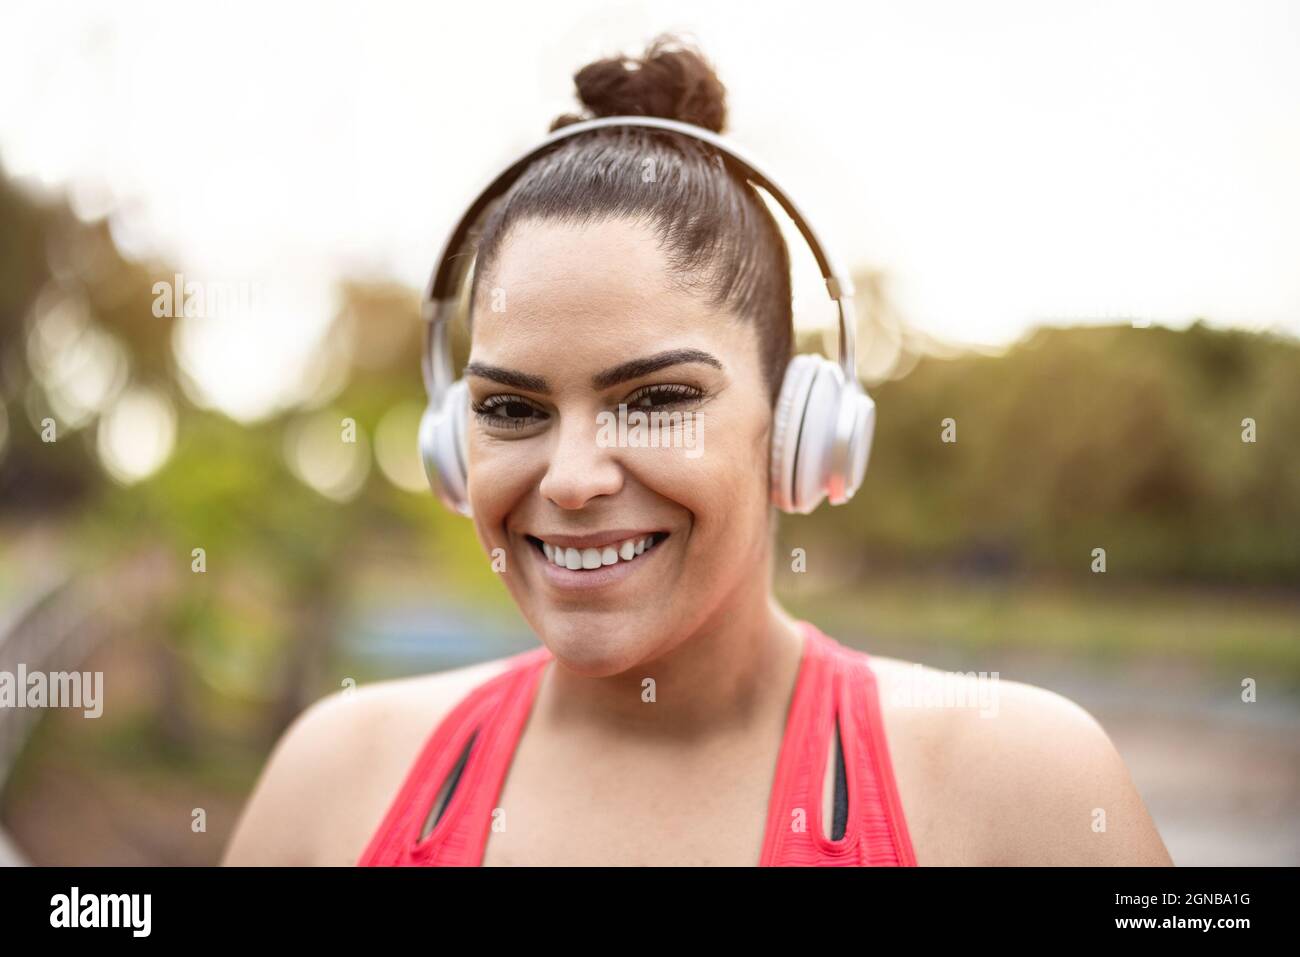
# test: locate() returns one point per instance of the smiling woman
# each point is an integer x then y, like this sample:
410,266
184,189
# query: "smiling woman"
673,712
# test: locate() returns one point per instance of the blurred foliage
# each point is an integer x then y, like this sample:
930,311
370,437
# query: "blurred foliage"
255,625
1127,439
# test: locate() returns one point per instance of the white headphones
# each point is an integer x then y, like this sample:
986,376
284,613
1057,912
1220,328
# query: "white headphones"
823,421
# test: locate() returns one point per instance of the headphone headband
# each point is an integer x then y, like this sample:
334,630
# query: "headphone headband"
443,288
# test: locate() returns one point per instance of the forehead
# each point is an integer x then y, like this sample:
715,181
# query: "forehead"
589,290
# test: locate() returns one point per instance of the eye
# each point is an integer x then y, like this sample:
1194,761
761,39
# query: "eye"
507,411
663,396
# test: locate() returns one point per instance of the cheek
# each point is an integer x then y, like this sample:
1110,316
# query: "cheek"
500,475
723,481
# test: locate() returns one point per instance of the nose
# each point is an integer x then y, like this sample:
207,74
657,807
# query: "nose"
580,469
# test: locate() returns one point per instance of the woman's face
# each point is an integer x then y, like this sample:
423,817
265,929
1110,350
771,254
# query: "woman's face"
573,321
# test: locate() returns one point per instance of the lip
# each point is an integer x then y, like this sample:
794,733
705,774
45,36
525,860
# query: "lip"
570,579
597,539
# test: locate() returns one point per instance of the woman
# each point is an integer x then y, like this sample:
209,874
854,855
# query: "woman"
674,714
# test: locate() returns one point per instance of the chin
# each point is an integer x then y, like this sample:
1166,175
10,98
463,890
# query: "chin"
596,646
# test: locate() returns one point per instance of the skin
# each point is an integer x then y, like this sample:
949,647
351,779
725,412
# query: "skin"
599,775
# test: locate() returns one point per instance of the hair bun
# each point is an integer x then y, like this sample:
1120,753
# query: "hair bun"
671,80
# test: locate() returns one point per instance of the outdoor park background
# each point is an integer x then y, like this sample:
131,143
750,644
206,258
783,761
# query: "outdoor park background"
329,561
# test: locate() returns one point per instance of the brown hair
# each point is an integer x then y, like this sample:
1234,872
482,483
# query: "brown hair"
715,229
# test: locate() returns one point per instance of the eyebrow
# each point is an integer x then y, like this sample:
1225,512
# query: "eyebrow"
624,371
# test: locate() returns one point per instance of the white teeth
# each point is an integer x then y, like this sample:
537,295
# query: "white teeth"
588,558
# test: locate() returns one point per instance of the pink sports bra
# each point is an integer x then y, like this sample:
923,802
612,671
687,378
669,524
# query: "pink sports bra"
836,688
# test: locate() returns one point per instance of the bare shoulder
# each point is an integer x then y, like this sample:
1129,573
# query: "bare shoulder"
334,772
997,772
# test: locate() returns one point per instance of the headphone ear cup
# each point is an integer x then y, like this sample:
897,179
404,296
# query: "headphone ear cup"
864,432
803,433
787,419
821,436
812,465
443,449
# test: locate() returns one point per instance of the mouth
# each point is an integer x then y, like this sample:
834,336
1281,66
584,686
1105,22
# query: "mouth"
628,551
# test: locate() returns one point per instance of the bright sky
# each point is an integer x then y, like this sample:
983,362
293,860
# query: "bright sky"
1007,163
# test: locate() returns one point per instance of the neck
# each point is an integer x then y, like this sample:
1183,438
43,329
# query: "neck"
738,664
